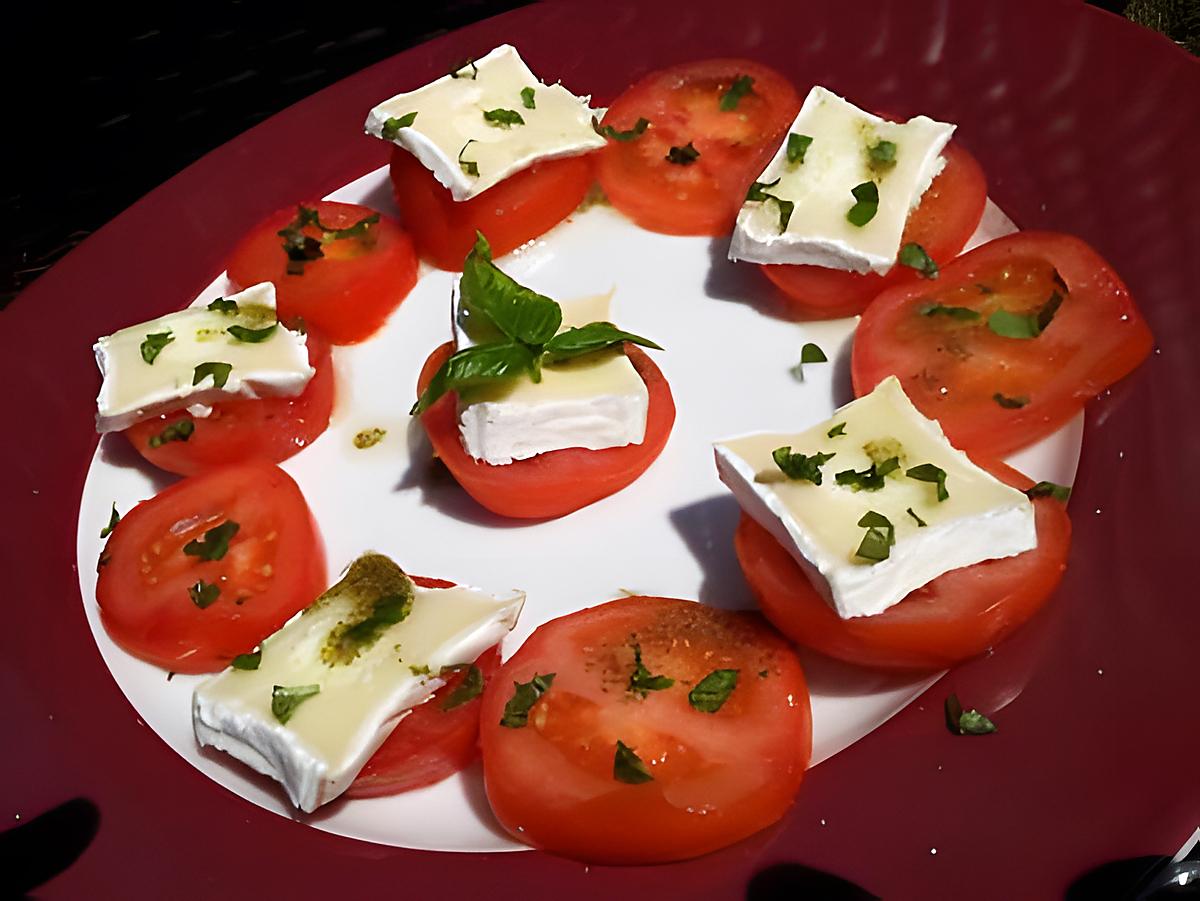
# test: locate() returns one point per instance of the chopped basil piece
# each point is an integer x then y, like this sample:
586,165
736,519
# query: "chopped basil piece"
113,519
881,535
920,522
758,192
966,722
223,305
927,472
368,438
1049,489
628,767
866,204
154,344
965,314
457,71
503,118
247,661
641,681
525,695
809,353
252,335
215,543
590,338
797,147
527,98
914,256
881,156
683,156
422,670
742,85
204,594
468,689
713,690
1025,325
1010,403
870,479
391,126
799,467
301,248
837,431
218,371
180,430
285,699
469,167
609,131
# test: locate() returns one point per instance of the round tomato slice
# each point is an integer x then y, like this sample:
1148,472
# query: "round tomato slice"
269,428
348,292
432,742
953,342
518,209
209,567
958,615
612,770
555,483
696,194
948,215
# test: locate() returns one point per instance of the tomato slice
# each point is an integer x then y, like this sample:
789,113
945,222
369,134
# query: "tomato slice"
270,428
717,777
948,215
348,293
555,483
151,590
683,105
994,394
518,209
958,615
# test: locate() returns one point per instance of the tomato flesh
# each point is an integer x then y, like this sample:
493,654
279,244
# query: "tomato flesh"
348,293
274,567
958,615
555,483
518,209
993,394
683,105
717,777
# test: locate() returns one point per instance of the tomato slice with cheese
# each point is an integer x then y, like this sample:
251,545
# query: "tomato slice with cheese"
605,768
688,172
554,483
348,291
523,206
209,567
958,615
269,428
1008,343
948,215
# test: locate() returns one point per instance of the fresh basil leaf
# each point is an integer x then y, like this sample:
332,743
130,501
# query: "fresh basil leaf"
476,365
285,699
467,690
457,71
180,430
503,118
742,85
797,147
154,344
391,126
1014,325
247,661
1010,403
609,131
870,479
215,543
204,594
964,314
488,294
920,522
914,256
683,156
252,335
525,695
927,472
218,371
837,431
469,167
799,467
881,156
628,767
113,519
223,305
527,98
881,535
866,204
1049,489
713,690
966,722
594,336
641,681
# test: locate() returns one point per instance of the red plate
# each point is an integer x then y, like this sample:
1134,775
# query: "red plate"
1082,122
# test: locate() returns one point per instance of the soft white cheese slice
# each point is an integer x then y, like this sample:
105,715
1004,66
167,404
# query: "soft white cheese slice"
596,401
450,128
332,734
836,161
983,519
134,390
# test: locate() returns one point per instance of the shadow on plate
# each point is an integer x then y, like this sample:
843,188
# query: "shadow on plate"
707,528
116,451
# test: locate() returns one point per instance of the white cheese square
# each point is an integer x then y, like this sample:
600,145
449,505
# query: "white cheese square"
836,161
450,128
982,519
134,390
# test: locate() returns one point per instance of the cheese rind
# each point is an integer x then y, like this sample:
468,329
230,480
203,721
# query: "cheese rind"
134,390
450,123
836,161
983,519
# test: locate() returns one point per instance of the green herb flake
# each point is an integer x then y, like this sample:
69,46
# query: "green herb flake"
252,335
927,472
837,431
758,192
154,344
467,690
113,519
422,670
641,681
1049,489
628,767
1010,403
870,479
881,535
799,467
914,256
247,661
369,438
347,640
809,353
711,692
527,99
1025,325
180,430
966,722
285,699
392,125
920,522
797,147
457,71
742,85
223,305
683,156
469,167
218,371
881,156
866,204
503,118
204,594
525,695
963,314
215,543
609,131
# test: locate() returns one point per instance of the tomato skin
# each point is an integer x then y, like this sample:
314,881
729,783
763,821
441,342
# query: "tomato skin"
518,209
718,777
952,373
947,217
429,744
555,483
682,105
957,616
275,564
349,293
270,428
